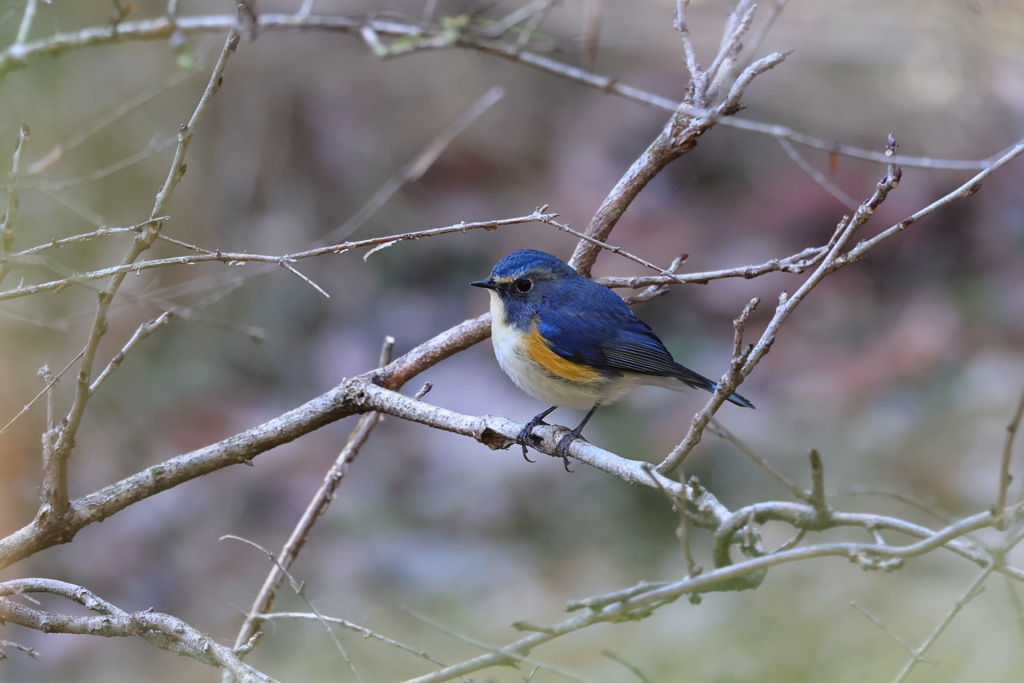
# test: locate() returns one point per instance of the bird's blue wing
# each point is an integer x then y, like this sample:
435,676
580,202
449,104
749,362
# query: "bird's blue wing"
593,326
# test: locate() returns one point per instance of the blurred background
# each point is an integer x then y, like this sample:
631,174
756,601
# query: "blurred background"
903,370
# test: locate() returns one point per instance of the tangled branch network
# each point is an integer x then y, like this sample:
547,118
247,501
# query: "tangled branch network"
741,560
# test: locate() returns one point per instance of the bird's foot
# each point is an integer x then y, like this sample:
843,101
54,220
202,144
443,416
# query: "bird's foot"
526,437
562,449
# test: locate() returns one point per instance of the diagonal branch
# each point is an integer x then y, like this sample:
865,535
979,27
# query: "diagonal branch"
163,630
264,601
787,304
679,135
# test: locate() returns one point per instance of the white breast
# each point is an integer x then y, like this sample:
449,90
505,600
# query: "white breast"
537,382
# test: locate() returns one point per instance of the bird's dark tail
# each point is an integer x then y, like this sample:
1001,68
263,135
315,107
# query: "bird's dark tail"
691,378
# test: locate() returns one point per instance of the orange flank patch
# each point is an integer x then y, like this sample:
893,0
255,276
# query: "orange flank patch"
539,352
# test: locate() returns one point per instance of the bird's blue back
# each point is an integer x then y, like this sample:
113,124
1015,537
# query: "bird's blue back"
581,320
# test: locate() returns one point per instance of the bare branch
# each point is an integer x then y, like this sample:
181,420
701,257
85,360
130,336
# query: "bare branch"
49,383
638,602
7,224
679,135
19,56
967,596
833,260
231,258
819,177
510,656
1004,467
881,624
797,263
26,22
415,169
163,630
719,430
55,477
362,630
264,601
144,331
965,190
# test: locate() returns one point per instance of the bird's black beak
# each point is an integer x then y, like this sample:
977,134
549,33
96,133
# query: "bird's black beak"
486,284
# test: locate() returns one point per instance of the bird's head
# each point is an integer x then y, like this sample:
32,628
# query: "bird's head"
521,280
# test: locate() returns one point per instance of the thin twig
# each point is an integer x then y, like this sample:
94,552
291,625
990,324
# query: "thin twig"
144,331
160,29
664,272
817,497
19,647
632,667
56,244
415,169
289,267
344,623
710,84
55,476
797,263
1004,467
509,655
653,291
882,625
967,596
719,430
232,258
299,589
818,177
689,52
264,601
49,383
163,630
7,224
832,261
26,22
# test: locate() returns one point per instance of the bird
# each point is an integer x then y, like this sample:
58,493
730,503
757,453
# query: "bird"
572,342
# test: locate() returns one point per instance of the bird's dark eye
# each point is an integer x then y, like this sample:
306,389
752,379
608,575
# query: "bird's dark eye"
524,285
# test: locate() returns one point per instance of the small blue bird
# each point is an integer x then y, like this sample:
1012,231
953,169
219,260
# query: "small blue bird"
572,342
